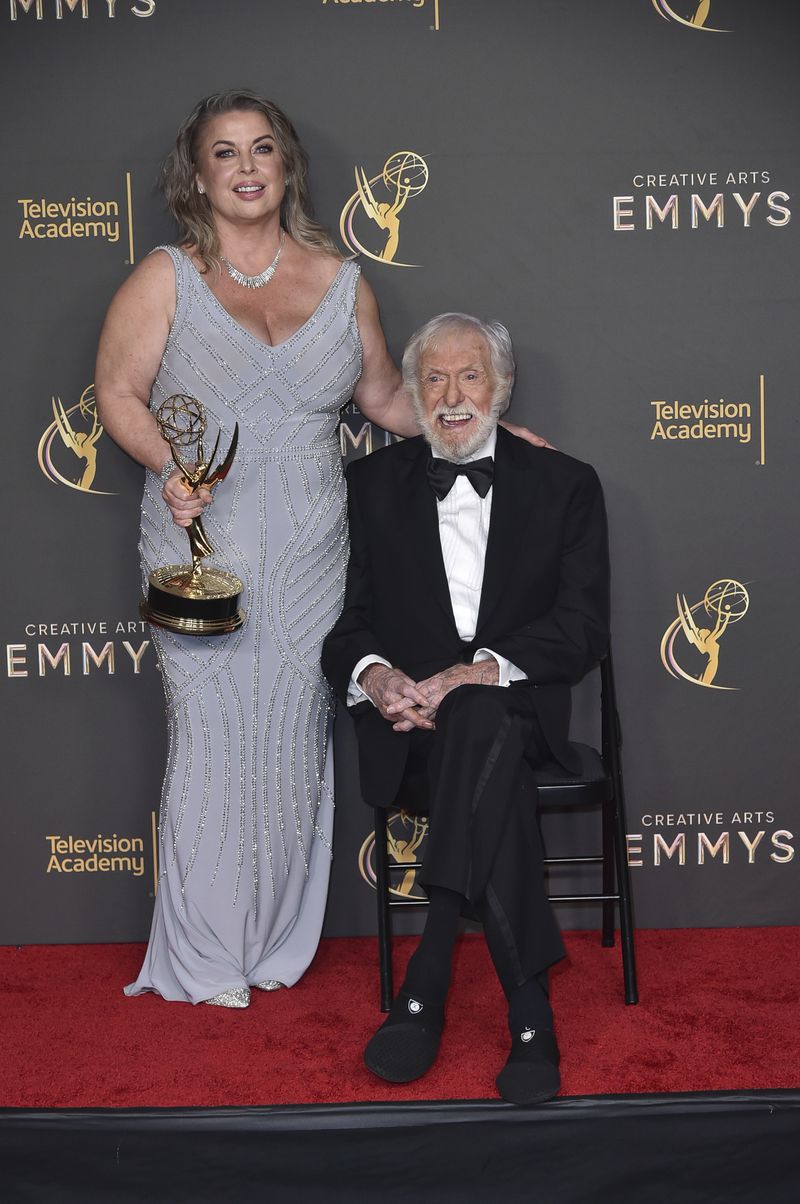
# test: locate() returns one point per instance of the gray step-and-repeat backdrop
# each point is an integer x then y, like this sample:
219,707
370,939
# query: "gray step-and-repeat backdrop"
614,179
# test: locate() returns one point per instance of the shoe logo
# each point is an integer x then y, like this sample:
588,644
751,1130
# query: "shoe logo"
414,1007
527,1034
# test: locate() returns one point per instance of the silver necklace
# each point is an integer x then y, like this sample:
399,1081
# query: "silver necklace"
263,277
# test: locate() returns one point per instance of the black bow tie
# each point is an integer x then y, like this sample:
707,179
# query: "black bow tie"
442,475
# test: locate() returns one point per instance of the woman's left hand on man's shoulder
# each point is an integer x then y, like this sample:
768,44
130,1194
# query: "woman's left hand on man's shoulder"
522,432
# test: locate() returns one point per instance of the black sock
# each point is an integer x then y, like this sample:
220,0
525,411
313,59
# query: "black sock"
428,974
529,1007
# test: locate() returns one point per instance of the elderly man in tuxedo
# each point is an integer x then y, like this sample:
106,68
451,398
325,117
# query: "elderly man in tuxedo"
477,595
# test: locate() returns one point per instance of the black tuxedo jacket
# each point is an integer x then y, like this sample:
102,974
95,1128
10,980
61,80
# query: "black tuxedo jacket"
544,602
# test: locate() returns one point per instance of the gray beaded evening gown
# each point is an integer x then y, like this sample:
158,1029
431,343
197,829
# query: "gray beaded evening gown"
247,808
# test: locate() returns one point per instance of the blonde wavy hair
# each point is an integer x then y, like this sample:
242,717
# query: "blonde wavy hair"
191,209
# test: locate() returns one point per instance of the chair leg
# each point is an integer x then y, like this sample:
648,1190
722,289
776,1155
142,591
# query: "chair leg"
625,909
384,915
608,816
612,742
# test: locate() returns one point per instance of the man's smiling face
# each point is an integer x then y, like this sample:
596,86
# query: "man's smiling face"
457,390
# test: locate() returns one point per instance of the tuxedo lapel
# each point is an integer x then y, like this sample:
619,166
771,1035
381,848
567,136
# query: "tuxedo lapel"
422,528
514,496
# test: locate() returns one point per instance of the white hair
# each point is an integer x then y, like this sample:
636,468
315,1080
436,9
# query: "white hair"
498,342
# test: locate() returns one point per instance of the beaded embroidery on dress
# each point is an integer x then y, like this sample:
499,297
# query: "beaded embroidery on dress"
247,809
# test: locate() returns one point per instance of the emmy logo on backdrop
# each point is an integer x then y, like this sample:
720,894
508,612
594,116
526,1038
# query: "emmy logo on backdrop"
79,430
695,17
403,845
80,443
193,599
404,175
725,602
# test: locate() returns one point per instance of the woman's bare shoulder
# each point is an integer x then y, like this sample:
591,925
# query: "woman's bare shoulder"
156,270
145,302
151,284
318,265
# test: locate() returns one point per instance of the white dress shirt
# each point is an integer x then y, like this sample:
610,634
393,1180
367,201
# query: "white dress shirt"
463,532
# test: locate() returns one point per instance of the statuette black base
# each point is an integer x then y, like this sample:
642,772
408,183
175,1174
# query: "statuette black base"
204,604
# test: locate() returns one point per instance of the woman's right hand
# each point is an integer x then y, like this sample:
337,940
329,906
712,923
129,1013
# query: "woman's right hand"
184,505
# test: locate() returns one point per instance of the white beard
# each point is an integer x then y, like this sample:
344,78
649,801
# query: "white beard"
459,449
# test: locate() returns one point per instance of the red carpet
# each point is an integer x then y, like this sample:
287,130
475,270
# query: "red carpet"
718,1011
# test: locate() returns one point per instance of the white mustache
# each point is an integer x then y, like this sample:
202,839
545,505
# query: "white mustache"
443,411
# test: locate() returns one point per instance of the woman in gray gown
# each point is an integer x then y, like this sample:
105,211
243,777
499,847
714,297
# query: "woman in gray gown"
256,315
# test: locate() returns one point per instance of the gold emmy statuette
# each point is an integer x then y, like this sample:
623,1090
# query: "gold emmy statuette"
193,599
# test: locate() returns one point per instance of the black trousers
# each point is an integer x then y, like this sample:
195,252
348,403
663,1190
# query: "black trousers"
473,777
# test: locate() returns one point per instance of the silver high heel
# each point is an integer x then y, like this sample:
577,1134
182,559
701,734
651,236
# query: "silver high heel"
236,997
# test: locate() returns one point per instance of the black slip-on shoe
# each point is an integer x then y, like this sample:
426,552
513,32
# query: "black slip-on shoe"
530,1076
406,1044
